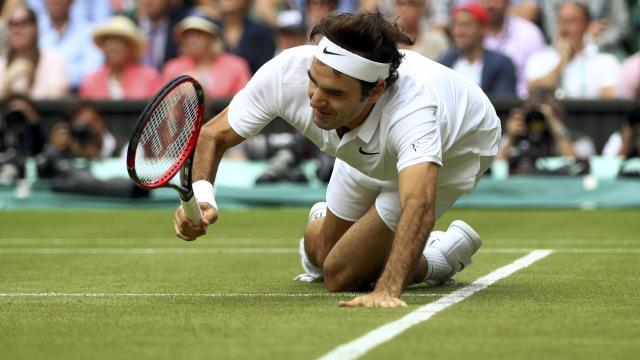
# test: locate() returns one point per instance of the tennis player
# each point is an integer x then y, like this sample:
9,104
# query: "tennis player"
410,137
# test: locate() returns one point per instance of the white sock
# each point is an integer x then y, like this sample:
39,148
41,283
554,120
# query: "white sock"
311,273
437,266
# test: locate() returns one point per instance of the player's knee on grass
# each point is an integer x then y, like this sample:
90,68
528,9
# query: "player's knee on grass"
318,243
339,276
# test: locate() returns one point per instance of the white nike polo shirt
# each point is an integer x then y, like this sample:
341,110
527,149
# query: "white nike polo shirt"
430,115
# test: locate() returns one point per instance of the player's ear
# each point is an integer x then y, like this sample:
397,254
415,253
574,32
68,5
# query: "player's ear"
378,90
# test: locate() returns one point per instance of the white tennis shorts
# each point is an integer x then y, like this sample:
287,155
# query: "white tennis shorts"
350,193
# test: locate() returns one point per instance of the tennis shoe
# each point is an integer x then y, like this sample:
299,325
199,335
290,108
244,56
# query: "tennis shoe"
457,245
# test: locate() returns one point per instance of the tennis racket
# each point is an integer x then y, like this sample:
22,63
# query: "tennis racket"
165,138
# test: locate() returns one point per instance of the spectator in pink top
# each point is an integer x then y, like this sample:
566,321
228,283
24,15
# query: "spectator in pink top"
221,74
121,76
512,36
628,86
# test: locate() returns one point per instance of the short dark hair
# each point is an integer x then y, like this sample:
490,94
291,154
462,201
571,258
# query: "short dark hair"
546,96
11,97
78,107
369,35
580,4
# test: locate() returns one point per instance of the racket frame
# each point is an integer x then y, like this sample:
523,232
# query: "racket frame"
183,164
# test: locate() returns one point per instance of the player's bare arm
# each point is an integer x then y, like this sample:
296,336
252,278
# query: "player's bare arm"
417,189
215,138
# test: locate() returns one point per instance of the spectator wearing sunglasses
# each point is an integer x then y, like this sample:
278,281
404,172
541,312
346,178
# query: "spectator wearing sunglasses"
26,69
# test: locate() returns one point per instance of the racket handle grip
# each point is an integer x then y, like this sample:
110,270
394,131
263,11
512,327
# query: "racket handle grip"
192,210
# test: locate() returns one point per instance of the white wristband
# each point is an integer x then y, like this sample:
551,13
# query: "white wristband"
203,191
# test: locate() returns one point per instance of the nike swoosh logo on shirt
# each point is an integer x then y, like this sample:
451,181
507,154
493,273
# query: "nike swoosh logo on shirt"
367,153
325,51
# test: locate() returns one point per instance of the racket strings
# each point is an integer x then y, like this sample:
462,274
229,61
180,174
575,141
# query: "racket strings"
166,133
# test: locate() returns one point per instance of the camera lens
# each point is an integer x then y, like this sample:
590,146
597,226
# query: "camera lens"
534,116
82,133
14,119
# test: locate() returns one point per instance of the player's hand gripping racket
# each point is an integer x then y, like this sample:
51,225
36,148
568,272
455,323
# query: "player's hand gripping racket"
165,139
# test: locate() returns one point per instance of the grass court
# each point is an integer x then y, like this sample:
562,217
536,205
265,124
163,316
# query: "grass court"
118,285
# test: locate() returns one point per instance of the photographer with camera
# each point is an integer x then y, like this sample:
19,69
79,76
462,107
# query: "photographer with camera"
73,145
20,136
537,130
84,134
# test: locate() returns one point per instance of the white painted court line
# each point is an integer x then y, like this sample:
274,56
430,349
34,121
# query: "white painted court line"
223,250
208,295
361,345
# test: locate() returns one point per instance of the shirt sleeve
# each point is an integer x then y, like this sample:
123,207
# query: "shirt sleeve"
258,103
416,138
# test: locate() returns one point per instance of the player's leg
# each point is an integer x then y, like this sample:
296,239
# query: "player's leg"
359,256
357,260
449,252
349,195
359,249
322,232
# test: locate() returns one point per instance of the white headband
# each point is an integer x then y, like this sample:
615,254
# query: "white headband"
349,63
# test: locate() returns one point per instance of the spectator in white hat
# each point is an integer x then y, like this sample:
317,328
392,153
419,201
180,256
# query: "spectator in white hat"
121,76
203,57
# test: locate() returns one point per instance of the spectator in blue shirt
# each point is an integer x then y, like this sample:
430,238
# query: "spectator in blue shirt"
61,33
92,11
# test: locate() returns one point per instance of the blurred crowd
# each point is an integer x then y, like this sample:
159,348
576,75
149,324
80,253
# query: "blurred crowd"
537,50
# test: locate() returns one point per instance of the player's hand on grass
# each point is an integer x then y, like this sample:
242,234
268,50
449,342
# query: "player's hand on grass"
188,231
376,299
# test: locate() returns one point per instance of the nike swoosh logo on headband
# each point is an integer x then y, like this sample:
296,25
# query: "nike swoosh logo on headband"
325,51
